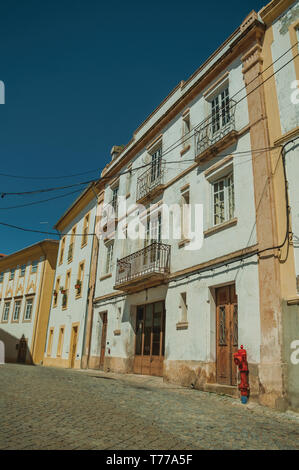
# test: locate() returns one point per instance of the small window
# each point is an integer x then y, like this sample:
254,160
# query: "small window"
34,266
109,257
183,306
16,313
185,215
186,124
50,341
6,311
223,200
85,230
62,251
55,293
297,282
22,270
28,309
114,201
12,274
1,277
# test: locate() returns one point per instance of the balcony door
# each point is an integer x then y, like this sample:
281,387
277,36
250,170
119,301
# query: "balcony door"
150,339
156,164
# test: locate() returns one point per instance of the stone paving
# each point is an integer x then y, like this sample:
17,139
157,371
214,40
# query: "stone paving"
49,408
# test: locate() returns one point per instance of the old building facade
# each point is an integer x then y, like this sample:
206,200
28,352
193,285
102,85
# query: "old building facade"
197,230
26,281
70,293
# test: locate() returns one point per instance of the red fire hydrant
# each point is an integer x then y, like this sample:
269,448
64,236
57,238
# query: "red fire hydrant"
240,359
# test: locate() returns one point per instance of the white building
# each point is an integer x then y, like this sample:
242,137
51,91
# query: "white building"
69,300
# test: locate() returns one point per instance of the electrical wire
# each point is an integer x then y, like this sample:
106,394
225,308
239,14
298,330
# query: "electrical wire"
166,151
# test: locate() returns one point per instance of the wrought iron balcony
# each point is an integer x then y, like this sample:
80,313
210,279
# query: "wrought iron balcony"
151,182
216,133
143,268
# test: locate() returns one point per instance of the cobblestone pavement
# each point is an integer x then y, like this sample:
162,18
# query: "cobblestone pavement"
49,408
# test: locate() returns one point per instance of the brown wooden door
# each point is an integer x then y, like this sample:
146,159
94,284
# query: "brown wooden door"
149,346
227,334
73,348
103,339
22,350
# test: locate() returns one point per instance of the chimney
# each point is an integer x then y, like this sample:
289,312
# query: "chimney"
115,151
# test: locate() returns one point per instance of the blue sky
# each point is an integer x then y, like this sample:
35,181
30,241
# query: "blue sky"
80,76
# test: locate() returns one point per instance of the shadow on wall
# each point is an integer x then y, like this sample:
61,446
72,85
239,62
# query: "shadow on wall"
16,349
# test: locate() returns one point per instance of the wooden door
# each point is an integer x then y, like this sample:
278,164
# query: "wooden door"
73,348
103,339
227,334
22,350
149,346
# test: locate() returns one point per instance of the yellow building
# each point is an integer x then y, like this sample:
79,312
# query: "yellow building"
26,283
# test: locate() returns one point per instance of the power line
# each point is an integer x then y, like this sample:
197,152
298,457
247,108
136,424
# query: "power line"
40,201
167,150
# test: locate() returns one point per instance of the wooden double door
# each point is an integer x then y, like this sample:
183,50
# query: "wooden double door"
150,339
226,334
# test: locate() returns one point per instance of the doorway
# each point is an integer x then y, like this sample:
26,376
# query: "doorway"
22,350
103,338
73,346
226,334
150,339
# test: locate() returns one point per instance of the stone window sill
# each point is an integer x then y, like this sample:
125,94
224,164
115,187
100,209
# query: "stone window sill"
116,332
106,276
183,242
218,228
185,150
182,325
293,300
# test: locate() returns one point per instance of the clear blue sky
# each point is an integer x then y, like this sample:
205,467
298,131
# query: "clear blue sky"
80,76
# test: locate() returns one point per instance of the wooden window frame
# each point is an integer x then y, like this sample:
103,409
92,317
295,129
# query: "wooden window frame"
19,302
50,341
28,320
5,303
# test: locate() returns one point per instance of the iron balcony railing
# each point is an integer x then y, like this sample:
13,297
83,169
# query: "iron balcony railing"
215,128
150,179
153,259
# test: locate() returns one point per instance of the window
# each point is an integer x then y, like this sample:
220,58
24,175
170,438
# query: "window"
28,309
12,274
79,282
183,306
55,293
6,311
71,246
220,110
186,124
60,341
185,215
22,270
297,283
156,164
128,179
114,202
1,277
16,313
62,251
34,267
109,257
50,341
85,230
223,200
65,292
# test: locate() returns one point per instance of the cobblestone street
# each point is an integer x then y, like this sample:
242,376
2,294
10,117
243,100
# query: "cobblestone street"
48,408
